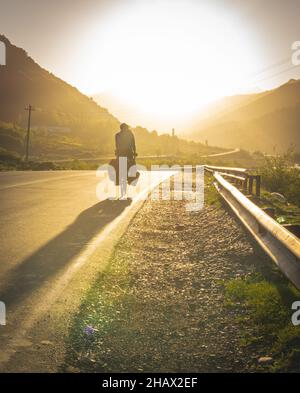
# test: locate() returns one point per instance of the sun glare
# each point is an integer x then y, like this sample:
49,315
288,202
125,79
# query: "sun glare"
166,59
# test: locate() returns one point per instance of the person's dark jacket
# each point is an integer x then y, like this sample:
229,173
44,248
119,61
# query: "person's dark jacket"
125,144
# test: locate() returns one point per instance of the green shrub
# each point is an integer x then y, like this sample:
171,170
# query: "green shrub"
280,175
265,318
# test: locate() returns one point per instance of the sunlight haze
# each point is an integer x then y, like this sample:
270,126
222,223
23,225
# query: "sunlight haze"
167,61
157,63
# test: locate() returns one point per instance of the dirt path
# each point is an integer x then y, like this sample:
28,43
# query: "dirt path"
160,306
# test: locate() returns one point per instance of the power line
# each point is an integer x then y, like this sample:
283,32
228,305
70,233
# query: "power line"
274,75
271,66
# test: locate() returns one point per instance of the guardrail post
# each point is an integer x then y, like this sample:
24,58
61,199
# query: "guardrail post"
245,184
258,183
250,184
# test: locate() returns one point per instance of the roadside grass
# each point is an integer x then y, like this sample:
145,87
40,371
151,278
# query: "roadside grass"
211,195
279,174
98,317
288,213
264,299
116,330
264,303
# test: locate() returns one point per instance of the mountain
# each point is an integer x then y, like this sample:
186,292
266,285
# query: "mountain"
65,122
254,122
56,103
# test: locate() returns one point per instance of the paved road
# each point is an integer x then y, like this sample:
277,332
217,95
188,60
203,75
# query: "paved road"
106,158
49,223
226,153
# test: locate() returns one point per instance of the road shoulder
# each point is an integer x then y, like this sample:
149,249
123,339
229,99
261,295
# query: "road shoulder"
162,304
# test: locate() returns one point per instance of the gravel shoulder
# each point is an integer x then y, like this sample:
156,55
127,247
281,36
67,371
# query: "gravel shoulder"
161,305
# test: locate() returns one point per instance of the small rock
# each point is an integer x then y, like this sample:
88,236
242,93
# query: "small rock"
46,342
89,330
71,369
265,360
179,227
279,197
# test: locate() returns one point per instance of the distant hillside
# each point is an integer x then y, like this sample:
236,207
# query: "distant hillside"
255,122
57,103
65,123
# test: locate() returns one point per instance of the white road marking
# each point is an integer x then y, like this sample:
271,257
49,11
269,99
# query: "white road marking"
43,180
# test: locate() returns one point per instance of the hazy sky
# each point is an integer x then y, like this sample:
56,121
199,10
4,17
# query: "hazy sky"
154,62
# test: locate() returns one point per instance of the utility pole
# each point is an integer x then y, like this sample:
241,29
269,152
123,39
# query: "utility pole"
29,109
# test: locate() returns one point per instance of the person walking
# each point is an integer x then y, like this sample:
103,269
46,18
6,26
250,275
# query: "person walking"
126,154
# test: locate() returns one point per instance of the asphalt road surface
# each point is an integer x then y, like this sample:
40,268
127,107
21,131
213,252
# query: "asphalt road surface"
49,223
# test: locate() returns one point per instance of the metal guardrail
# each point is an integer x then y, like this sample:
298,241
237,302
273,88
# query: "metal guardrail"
280,244
226,169
240,176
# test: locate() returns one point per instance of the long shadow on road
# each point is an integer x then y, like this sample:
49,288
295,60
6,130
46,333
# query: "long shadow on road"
55,255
